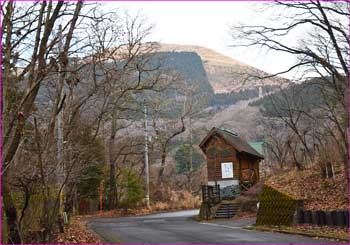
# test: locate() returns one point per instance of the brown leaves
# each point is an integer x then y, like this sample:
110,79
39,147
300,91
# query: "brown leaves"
319,193
244,215
77,232
311,230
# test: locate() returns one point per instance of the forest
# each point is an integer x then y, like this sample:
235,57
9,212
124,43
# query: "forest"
97,120
77,83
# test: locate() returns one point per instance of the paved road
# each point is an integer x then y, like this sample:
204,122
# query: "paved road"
178,227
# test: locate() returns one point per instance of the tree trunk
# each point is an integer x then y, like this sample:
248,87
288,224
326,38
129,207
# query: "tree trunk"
162,165
347,145
112,179
11,216
9,207
112,188
190,167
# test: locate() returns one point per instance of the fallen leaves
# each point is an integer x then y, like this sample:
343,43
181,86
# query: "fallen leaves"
311,230
244,215
318,193
76,233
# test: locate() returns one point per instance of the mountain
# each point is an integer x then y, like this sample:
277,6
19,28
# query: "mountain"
189,66
224,73
308,95
191,69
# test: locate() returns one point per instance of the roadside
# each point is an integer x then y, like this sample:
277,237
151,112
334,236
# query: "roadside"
157,209
332,233
84,229
179,227
77,232
246,220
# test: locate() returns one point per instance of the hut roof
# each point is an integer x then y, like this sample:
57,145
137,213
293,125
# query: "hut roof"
258,146
233,139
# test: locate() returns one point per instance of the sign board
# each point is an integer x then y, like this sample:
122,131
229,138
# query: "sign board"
227,170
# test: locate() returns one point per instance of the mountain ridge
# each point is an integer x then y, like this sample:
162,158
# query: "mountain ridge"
225,74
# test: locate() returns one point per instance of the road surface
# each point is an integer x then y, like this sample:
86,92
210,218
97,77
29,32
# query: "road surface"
179,227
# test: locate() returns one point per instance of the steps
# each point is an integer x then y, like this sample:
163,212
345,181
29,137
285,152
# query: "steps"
226,211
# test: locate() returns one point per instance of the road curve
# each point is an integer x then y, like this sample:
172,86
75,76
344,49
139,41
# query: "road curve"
179,227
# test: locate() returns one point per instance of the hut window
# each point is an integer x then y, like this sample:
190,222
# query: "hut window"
227,170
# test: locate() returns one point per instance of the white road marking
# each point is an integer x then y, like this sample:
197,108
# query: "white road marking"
153,220
219,225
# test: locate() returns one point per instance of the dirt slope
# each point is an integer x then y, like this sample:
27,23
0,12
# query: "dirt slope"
319,193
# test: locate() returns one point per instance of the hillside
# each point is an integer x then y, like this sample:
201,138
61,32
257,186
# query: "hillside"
224,73
306,95
317,192
189,66
239,117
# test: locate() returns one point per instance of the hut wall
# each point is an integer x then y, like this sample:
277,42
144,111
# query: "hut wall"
248,162
217,152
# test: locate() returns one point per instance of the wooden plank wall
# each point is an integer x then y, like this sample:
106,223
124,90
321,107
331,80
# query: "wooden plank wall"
241,162
214,170
249,162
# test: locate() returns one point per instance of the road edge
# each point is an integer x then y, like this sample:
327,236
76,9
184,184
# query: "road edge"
294,233
94,233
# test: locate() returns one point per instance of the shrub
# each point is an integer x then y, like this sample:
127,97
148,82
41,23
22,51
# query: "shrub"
130,189
182,158
89,181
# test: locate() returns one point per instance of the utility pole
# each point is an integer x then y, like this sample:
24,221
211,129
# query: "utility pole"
146,158
189,108
191,134
100,190
60,160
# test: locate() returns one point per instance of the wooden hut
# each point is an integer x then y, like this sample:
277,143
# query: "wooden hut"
231,161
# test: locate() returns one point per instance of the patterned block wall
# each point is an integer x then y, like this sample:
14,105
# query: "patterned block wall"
275,208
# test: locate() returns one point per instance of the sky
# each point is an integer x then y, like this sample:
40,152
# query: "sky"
207,24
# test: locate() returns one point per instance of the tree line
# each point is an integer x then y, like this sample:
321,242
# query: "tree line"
306,123
75,81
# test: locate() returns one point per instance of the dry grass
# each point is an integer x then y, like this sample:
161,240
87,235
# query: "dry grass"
174,199
179,200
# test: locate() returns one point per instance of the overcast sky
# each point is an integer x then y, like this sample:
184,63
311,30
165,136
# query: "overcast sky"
207,24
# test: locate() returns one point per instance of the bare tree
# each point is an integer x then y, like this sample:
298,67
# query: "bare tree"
321,52
166,135
128,66
29,40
